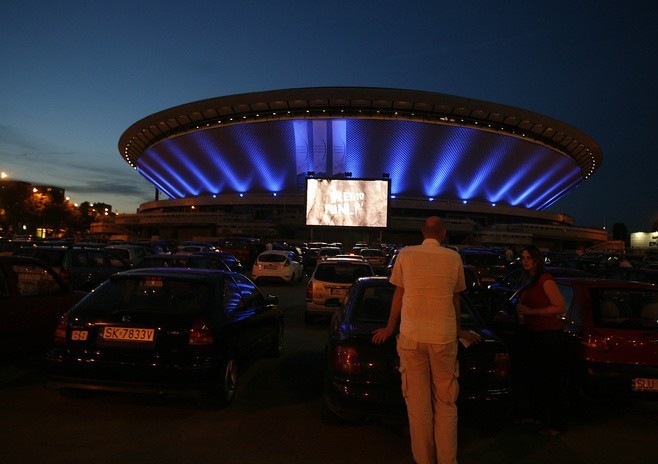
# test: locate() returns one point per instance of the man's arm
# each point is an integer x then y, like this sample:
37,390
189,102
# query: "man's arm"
379,336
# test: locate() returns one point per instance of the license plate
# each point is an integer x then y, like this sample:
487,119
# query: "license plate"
270,266
128,334
645,385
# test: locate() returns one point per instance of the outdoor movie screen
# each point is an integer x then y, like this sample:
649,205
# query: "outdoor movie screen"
347,202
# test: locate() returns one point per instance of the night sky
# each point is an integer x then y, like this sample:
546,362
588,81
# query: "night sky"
76,74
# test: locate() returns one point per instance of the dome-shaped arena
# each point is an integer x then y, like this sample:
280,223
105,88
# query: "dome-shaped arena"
239,165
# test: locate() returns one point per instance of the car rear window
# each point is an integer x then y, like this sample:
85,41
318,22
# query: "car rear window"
343,273
375,306
625,308
272,258
149,294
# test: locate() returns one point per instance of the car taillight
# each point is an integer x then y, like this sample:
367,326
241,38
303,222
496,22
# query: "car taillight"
502,367
595,341
346,359
60,330
200,334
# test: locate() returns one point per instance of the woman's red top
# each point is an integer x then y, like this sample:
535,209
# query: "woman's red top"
534,296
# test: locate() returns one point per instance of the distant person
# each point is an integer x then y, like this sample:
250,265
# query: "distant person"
428,280
540,307
509,255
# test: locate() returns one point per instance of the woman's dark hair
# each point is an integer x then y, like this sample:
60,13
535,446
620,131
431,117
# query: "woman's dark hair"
538,258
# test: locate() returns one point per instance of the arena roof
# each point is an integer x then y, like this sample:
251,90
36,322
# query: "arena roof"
430,145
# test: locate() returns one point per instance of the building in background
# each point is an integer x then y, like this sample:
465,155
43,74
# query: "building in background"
237,165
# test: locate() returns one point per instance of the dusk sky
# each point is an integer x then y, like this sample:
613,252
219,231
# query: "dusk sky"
76,74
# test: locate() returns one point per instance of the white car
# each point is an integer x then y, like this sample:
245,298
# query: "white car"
330,282
277,265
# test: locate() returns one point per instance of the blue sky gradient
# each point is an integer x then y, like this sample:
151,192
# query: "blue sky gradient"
76,74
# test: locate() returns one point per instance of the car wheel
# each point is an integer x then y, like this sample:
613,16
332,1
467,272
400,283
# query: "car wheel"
223,389
277,344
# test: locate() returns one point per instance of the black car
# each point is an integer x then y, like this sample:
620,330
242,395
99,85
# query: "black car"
362,379
195,261
169,331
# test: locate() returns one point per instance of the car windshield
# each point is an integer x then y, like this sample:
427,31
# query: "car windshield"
341,273
148,293
374,305
625,308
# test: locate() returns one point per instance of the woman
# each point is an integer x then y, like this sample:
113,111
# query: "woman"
540,307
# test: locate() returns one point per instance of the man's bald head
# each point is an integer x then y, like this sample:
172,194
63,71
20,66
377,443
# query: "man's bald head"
434,228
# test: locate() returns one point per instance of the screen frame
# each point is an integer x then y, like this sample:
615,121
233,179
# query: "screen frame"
387,181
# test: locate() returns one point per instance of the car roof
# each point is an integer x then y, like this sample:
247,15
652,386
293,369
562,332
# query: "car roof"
333,259
20,258
176,272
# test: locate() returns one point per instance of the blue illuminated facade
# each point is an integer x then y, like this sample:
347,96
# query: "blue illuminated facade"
423,160
436,149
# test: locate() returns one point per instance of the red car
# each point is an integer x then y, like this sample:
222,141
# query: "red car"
32,299
612,330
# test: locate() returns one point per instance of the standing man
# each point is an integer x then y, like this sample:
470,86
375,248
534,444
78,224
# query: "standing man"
428,280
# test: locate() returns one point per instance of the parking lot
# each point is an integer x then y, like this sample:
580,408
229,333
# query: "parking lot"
276,418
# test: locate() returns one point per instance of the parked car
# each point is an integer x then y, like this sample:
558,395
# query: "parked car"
612,331
195,261
330,280
172,331
488,265
32,298
362,379
84,268
377,259
132,254
278,265
328,252
611,336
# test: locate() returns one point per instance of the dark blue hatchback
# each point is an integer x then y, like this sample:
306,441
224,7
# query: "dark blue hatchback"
362,379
